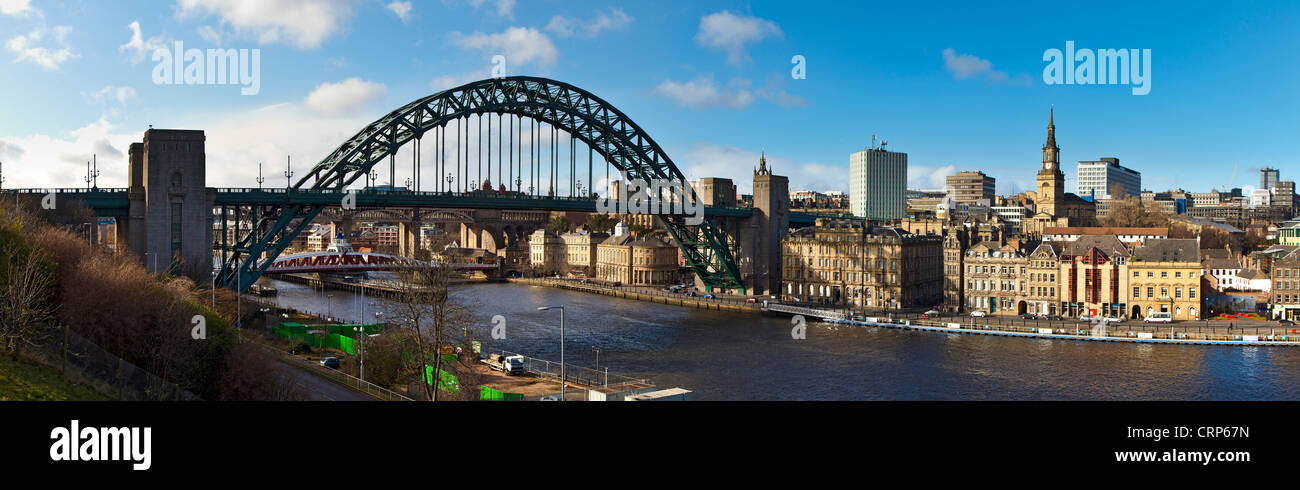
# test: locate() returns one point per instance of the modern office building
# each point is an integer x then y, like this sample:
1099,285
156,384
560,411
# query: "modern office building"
878,184
1098,178
1267,178
971,187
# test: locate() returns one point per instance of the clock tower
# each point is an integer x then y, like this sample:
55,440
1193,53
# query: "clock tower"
1051,182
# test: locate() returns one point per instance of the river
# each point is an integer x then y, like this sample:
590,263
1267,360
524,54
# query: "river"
737,356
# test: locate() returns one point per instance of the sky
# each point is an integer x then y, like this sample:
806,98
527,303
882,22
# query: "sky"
955,86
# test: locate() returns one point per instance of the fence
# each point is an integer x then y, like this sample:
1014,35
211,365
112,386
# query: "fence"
579,375
370,389
82,359
1118,331
1211,328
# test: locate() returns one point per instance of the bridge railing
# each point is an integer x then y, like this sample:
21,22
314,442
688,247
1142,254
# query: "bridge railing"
507,196
67,190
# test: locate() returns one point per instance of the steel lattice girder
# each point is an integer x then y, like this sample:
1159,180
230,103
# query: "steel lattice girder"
582,114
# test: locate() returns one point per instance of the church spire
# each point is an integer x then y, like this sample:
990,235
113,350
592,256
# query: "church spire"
1051,152
762,164
1051,127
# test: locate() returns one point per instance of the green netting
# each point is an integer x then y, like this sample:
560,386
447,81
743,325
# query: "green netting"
487,393
446,381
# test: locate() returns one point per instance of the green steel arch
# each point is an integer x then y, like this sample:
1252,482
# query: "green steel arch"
586,117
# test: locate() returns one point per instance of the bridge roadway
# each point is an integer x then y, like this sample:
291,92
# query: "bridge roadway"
115,202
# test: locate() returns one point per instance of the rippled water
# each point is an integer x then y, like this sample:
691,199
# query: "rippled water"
734,356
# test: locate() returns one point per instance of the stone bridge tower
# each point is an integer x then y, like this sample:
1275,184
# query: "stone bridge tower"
170,222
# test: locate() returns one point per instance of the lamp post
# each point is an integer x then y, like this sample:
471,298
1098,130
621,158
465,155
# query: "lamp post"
260,179
562,384
288,172
449,179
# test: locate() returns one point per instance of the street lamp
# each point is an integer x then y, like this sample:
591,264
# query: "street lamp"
449,179
561,308
260,179
288,172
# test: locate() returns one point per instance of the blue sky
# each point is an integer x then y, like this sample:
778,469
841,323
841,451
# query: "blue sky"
709,80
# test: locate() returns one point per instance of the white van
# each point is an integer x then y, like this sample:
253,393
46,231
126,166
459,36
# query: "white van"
1159,317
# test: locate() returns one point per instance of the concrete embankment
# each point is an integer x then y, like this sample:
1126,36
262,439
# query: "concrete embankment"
643,295
1112,333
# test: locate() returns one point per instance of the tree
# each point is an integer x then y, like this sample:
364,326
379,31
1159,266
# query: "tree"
1131,211
425,308
26,279
558,224
601,223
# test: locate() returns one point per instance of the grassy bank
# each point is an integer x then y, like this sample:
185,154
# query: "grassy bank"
22,379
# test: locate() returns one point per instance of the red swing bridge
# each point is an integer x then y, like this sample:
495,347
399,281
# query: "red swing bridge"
331,262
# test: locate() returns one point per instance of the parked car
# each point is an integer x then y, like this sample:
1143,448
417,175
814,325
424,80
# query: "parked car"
750,300
1286,322
1113,319
932,313
1028,316
1052,317
708,296
330,362
978,313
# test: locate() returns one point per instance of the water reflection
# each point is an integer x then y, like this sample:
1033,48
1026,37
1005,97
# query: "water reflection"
733,356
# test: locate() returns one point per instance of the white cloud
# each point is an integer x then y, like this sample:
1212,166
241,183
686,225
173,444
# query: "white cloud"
138,46
967,66
445,82
929,177
520,45
604,21
44,46
44,161
703,93
303,23
504,8
715,160
730,33
345,98
109,93
213,35
402,9
18,8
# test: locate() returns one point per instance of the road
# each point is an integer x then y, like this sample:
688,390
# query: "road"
314,387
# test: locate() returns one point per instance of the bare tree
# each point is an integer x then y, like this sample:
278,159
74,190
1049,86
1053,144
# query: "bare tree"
1131,211
424,305
24,291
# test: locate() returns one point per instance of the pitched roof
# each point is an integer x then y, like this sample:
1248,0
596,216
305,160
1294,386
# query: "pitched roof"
1107,244
1168,250
1104,230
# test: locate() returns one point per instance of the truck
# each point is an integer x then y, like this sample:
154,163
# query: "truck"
510,365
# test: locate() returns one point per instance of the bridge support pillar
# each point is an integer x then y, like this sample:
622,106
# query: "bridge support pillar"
170,222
